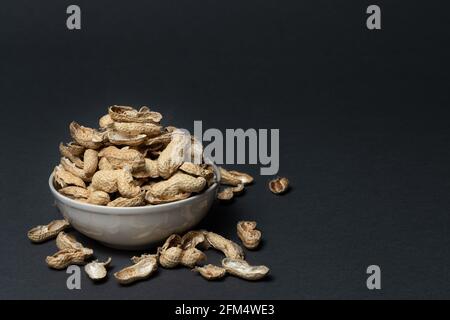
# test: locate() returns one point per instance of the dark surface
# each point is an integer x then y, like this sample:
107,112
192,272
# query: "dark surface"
363,118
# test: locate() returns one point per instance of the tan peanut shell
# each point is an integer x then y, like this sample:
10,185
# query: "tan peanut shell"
172,157
135,128
192,256
125,184
73,169
119,158
229,248
123,139
105,121
64,178
249,235
150,170
71,153
86,137
105,180
171,257
45,232
234,178
241,268
97,270
66,257
75,192
210,272
98,197
128,202
192,239
226,194
90,162
178,183
136,259
67,241
166,199
129,114
104,164
196,170
139,271
160,142
279,185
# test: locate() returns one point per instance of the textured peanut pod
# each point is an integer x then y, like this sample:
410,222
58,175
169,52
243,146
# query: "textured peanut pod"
136,128
139,271
149,171
73,169
226,194
128,202
64,178
49,231
129,114
122,139
174,240
249,235
194,238
67,241
171,257
68,152
66,257
97,270
241,268
86,137
192,256
178,183
210,272
159,142
98,197
125,184
105,121
156,200
105,180
74,192
119,158
234,178
172,157
90,161
229,248
229,192
104,164
279,185
196,170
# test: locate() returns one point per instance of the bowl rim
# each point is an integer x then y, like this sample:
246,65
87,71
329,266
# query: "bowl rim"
129,210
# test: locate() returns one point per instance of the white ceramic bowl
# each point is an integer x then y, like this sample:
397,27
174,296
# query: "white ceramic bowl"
134,228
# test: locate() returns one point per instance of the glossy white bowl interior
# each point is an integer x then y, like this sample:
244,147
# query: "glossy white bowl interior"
134,228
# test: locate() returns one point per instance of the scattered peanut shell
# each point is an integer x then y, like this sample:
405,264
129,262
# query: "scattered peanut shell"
66,257
171,257
49,231
192,256
243,177
229,192
279,185
241,268
192,239
97,270
210,272
246,231
67,241
139,271
229,248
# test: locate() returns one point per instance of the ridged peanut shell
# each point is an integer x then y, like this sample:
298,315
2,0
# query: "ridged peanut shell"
66,257
90,161
192,256
105,121
64,178
249,235
128,202
211,272
136,128
172,157
241,268
119,158
229,248
125,184
178,183
97,270
171,257
86,137
139,271
74,192
122,139
67,241
279,185
105,180
45,232
71,153
99,198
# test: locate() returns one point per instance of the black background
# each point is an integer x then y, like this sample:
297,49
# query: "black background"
363,118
